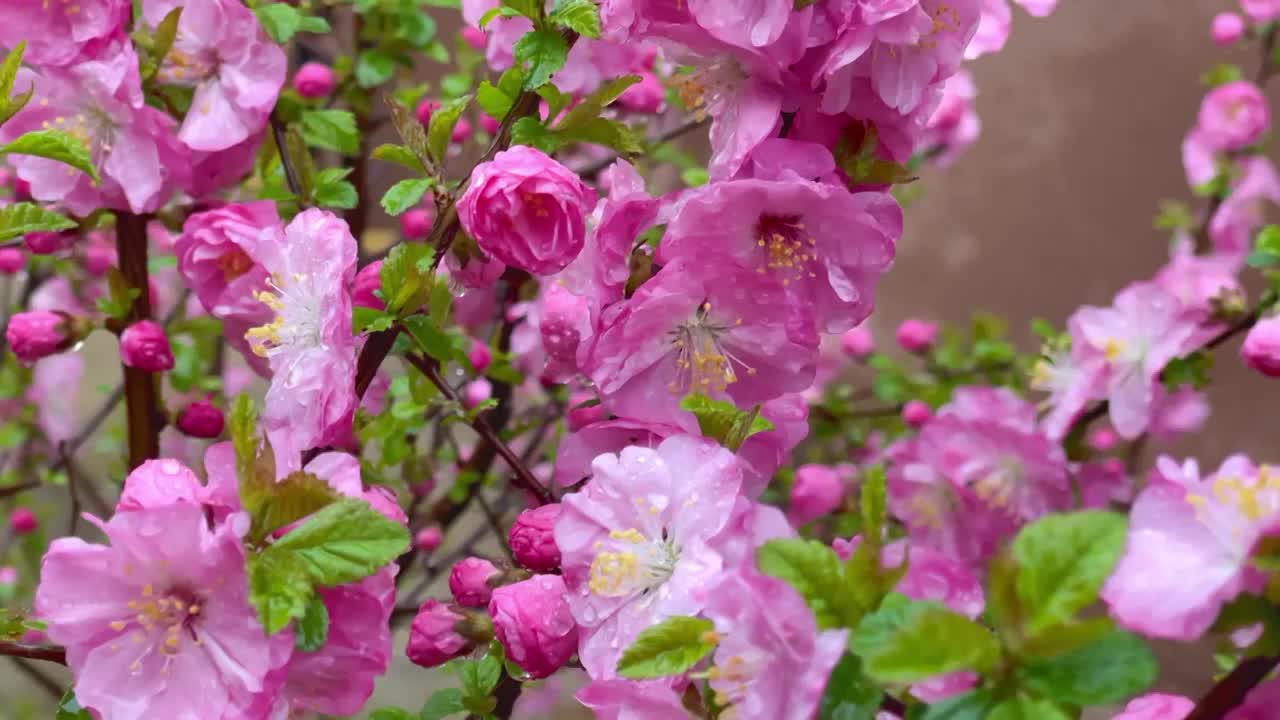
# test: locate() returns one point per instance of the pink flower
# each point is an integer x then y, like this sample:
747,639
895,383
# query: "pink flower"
752,24
461,132
415,224
816,491
629,564
724,333
1261,10
1244,210
479,356
366,282
916,413
647,96
1183,526
309,344
48,243
993,29
433,641
58,35
1260,703
1156,706
1234,115
532,620
916,335
954,126
527,210
474,37
22,521
1227,28
1197,280
532,538
577,451
12,260
825,247
469,581
201,419
772,662
428,538
314,80
1261,348
236,71
168,630
626,700
38,333
858,343
143,345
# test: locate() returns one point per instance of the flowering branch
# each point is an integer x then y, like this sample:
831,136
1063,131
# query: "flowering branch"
141,389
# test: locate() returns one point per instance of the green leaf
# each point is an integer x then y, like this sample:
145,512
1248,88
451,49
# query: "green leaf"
605,132
1023,708
118,302
280,20
286,501
1116,666
242,422
495,103
595,103
1221,74
162,42
442,704
368,320
344,542
313,627
580,16
391,713
813,570
431,339
541,53
295,147
530,131
671,647
556,101
405,194
441,128
341,195
409,129
850,694
970,706
54,145
722,421
912,641
1062,562
406,277
400,155
314,24
21,218
480,677
9,70
531,9
69,708
873,505
278,588
374,68
331,130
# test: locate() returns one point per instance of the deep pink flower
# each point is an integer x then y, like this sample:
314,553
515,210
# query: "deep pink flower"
1227,28
479,356
1156,706
532,538
61,32
916,335
309,343
1259,704
527,210
629,564
168,630
236,71
428,538
415,223
1261,348
469,581
474,37
647,96
424,110
955,125
143,345
815,491
1234,115
201,419
366,282
826,247
461,131
314,80
858,342
38,333
48,243
12,260
433,641
532,620
916,413
22,521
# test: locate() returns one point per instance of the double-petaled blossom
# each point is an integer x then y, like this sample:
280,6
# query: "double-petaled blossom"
61,32
1232,116
532,620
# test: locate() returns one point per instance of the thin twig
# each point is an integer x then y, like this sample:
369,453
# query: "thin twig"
591,171
47,653
495,524
72,489
282,147
20,487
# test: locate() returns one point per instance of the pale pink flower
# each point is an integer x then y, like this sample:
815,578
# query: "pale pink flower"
1261,10
1244,210
60,32
955,125
815,491
627,700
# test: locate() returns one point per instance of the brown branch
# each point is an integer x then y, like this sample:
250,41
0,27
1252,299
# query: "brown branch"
141,389
282,148
20,487
47,653
1231,690
358,216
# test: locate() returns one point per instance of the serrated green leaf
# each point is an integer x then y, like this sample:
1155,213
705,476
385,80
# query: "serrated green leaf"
405,277
278,588
813,570
369,320
604,132
671,647
1116,666
312,628
21,218
718,420
1059,639
873,505
391,713
295,147
541,53
580,16
480,677
530,131
162,42
374,68
344,542
314,24
850,694
404,195
556,101
400,155
442,704
341,195
9,70
495,103
1062,562
595,103
242,423
410,130
531,9
1024,708
441,127
286,501
331,130
279,20
905,642
54,145
431,338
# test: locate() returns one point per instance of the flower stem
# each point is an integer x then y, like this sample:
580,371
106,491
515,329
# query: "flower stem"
141,389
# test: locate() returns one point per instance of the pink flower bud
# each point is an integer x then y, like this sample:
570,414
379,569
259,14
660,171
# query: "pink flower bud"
428,538
532,538
313,80
8,575
461,131
489,124
476,392
21,189
475,37
367,281
817,490
47,243
1103,439
201,419
433,641
469,581
1261,348
143,345
916,335
98,257
479,356
580,417
1227,28
646,96
416,224
422,488
916,413
424,110
12,260
38,333
857,343
1234,115
532,620
23,521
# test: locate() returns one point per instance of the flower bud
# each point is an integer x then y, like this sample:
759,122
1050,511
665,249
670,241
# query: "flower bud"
12,260
817,490
646,96
1103,439
1261,348
416,224
476,392
48,243
475,37
424,110
23,521
857,343
313,80
39,333
143,345
489,124
916,413
428,538
461,131
433,640
8,576
1227,28
532,541
21,190
469,581
533,622
201,419
368,280
916,335
479,356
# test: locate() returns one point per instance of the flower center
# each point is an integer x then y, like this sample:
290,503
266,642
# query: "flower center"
1253,499
70,7
703,364
731,677
92,126
160,620
1000,486
189,68
234,263
704,88
786,249
297,321
632,564
945,20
